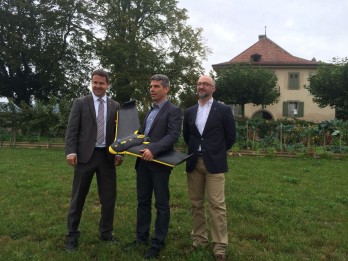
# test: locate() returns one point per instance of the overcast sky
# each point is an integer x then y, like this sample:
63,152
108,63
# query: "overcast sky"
304,28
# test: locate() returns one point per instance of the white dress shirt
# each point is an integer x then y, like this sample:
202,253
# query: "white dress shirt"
202,116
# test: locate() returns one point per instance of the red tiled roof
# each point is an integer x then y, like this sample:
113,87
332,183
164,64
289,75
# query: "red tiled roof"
271,55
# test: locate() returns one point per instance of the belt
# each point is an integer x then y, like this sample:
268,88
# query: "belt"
100,148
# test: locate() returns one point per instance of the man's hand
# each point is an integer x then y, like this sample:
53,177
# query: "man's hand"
118,160
71,159
147,154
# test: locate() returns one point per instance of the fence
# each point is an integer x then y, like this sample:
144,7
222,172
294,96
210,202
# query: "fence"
4,144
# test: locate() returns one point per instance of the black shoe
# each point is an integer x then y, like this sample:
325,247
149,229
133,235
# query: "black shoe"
109,239
153,252
135,244
71,245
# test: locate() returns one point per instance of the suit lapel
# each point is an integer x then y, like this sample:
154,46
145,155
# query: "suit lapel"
210,116
108,109
90,103
194,117
162,110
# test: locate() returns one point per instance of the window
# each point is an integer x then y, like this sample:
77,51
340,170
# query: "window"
255,57
293,109
294,81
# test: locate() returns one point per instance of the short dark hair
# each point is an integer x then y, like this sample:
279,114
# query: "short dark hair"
161,77
102,73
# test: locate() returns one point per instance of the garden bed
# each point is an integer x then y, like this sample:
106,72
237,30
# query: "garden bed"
286,154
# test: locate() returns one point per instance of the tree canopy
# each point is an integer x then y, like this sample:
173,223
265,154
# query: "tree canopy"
49,47
330,86
148,37
246,83
44,50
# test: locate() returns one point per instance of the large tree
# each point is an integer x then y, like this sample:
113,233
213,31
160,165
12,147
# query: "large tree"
48,47
144,37
330,86
246,83
44,50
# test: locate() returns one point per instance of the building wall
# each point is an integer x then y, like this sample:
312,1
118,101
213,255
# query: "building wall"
311,112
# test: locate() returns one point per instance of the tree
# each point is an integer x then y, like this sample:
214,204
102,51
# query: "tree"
330,86
44,47
246,83
144,37
48,47
12,118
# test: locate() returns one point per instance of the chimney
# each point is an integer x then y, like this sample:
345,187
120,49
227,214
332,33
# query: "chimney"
262,36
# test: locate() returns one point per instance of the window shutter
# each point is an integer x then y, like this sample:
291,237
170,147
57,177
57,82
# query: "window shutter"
294,81
285,109
300,109
291,81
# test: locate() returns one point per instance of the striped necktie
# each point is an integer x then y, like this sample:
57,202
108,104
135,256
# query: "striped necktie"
100,122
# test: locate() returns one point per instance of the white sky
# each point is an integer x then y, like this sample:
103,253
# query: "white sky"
304,28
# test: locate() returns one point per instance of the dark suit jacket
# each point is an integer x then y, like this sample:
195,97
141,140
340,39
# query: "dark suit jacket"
165,129
218,136
81,133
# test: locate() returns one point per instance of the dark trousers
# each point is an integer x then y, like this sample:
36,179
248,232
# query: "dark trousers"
106,181
152,177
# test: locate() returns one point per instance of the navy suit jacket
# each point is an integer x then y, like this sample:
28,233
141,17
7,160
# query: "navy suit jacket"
165,130
81,133
217,138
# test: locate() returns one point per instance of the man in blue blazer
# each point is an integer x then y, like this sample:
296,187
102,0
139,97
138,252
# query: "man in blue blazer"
162,125
209,131
86,144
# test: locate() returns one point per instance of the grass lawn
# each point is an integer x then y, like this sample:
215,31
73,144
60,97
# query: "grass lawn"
278,209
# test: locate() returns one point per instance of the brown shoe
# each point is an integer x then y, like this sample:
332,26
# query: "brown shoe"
220,257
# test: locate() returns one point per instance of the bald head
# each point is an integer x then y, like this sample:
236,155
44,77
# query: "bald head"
205,88
207,79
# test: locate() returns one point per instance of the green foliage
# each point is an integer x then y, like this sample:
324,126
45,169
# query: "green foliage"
147,37
48,118
48,48
44,52
188,97
11,118
330,86
265,196
294,136
246,83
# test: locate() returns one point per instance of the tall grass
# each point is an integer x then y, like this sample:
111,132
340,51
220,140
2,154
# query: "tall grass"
278,209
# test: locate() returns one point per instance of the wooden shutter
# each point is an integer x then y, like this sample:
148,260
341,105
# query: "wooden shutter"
285,109
294,81
300,109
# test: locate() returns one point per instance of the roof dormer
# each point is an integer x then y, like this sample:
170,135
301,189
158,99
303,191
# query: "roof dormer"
255,57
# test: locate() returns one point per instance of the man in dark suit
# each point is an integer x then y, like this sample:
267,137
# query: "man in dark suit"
209,130
162,125
90,131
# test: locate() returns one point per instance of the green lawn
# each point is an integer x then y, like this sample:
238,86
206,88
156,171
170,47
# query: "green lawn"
278,209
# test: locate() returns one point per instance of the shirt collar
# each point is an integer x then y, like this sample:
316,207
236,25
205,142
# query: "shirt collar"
96,98
160,105
208,103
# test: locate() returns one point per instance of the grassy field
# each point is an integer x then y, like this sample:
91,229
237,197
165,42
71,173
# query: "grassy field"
278,209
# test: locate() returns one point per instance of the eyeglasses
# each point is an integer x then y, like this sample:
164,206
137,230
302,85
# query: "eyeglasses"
204,84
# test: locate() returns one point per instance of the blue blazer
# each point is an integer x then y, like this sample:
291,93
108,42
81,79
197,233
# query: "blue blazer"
165,130
217,138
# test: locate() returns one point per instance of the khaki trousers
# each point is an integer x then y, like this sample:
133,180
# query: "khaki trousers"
201,182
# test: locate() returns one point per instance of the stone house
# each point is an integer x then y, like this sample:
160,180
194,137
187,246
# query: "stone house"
292,73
